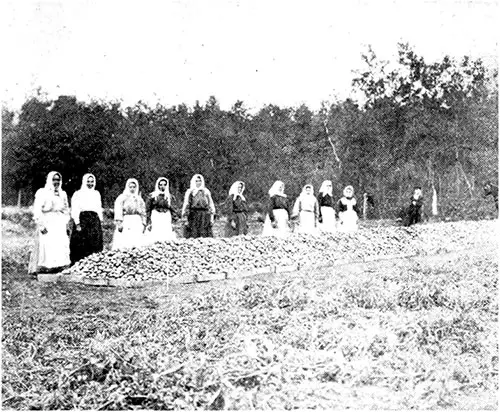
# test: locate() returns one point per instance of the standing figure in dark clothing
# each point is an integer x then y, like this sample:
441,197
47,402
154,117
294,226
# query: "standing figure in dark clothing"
491,189
237,211
414,213
159,211
326,207
86,211
348,211
279,212
199,209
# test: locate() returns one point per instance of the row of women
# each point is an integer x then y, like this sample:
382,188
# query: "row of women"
66,235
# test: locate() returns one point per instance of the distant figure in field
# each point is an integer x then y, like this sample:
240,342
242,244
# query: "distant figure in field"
279,212
51,215
86,211
198,209
159,211
130,217
326,205
306,208
414,211
348,211
237,211
491,189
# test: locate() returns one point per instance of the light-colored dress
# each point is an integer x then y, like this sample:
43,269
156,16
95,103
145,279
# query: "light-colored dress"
131,210
50,211
307,210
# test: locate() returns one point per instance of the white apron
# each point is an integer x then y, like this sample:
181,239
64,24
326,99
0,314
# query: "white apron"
348,221
281,219
328,216
307,222
161,227
132,234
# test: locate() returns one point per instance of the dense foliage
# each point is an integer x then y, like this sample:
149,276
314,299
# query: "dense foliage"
434,125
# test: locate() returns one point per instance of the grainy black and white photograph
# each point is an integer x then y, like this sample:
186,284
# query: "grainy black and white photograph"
250,205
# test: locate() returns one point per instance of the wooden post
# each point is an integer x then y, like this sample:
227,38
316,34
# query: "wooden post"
19,197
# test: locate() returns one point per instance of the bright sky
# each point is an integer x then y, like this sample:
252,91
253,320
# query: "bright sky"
259,51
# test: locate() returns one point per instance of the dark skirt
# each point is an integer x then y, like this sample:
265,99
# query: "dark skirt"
88,240
413,215
199,224
240,219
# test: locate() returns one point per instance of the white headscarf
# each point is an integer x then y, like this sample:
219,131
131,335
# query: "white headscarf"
324,190
346,189
127,192
304,194
157,190
277,189
234,190
192,187
49,184
84,182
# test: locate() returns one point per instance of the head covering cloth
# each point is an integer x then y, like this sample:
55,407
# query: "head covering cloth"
84,182
127,191
192,186
157,190
346,189
324,190
277,189
233,191
49,184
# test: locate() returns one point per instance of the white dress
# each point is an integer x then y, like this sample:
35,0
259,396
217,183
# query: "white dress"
51,211
306,208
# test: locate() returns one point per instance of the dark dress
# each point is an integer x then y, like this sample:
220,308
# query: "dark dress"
199,215
278,202
89,239
237,212
414,212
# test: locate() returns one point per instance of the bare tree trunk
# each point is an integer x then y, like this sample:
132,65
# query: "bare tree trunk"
339,162
19,197
434,209
469,186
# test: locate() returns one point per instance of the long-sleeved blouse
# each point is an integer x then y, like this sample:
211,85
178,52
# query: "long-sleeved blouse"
278,202
128,204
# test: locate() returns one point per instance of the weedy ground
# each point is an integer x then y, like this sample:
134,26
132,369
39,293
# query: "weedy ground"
413,333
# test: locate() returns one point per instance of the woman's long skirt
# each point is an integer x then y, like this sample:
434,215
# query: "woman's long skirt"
281,219
89,239
161,227
348,221
307,222
51,251
328,216
241,226
199,224
132,234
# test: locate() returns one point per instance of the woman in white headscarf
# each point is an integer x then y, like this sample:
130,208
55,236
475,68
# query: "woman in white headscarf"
51,215
278,216
348,211
237,210
130,217
307,210
198,209
326,207
159,211
86,211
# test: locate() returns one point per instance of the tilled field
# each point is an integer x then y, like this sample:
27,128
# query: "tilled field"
191,260
392,334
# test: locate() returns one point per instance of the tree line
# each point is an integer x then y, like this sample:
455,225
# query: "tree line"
433,125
